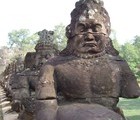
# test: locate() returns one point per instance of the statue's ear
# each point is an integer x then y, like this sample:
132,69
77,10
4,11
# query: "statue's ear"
68,32
109,48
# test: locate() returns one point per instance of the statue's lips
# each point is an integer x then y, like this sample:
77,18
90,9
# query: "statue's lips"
89,44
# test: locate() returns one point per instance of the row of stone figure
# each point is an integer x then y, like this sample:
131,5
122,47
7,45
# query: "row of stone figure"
83,82
20,77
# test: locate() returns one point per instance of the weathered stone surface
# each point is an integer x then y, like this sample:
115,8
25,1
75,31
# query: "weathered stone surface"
29,61
88,72
46,109
86,112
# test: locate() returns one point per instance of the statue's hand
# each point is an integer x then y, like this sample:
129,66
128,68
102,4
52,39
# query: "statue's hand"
17,106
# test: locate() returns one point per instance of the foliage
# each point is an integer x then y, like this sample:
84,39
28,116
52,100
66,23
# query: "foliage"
131,53
21,42
136,43
4,57
60,39
131,108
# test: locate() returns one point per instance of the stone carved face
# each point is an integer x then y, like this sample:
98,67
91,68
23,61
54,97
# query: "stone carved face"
89,37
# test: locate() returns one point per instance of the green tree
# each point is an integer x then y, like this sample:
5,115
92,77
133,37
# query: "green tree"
130,52
21,41
136,43
60,39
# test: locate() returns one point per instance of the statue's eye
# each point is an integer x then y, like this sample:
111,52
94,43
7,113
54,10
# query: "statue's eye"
97,28
81,28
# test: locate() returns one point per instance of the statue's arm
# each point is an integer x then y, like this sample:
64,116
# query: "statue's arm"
46,103
128,83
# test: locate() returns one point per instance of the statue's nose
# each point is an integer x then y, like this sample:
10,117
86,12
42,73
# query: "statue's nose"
89,35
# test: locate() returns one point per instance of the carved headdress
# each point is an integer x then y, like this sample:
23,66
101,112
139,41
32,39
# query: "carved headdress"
91,9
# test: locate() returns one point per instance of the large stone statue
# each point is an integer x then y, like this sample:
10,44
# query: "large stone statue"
24,84
86,80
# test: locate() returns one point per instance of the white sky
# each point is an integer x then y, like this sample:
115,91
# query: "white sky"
37,15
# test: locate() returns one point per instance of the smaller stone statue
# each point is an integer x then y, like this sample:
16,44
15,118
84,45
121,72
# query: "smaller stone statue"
46,36
24,84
